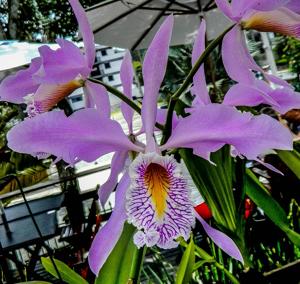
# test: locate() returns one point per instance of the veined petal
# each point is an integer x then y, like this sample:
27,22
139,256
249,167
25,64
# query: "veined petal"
96,96
158,201
281,99
117,166
221,240
82,136
108,236
126,75
86,31
282,20
47,96
15,87
199,83
61,65
210,127
154,68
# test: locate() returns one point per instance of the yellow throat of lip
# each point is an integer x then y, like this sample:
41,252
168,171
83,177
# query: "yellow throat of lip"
157,182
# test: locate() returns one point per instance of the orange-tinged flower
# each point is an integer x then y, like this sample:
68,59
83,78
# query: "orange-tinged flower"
282,20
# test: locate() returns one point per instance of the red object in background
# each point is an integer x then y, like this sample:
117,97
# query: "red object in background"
203,210
249,205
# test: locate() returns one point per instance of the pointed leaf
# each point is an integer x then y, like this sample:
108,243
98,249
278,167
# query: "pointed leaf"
256,191
118,265
185,269
291,159
67,274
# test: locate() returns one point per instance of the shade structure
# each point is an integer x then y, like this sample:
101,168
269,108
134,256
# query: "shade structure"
132,24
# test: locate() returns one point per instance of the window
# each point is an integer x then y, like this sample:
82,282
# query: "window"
76,99
110,78
107,65
103,52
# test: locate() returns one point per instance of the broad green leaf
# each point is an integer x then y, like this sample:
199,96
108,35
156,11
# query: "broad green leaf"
185,269
116,269
292,160
260,196
214,183
67,274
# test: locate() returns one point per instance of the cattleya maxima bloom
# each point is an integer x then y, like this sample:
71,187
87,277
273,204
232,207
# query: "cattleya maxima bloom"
281,16
57,73
153,193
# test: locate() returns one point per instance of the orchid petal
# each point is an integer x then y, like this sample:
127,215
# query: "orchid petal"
221,240
245,95
108,236
97,97
282,20
61,65
158,202
15,87
161,117
238,62
82,136
269,166
235,61
241,8
86,31
199,88
214,125
48,95
154,68
286,98
117,166
225,7
126,75
263,5
281,99
294,5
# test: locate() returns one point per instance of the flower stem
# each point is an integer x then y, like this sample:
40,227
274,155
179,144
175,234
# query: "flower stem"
168,125
205,256
118,94
123,98
137,264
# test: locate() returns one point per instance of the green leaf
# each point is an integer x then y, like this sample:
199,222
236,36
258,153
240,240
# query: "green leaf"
67,274
214,183
292,160
35,282
155,276
202,262
116,269
256,191
185,269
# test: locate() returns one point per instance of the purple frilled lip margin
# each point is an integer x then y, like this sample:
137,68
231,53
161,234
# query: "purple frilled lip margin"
154,192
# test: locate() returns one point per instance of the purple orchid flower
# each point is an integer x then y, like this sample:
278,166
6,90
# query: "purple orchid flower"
280,16
153,194
269,15
57,73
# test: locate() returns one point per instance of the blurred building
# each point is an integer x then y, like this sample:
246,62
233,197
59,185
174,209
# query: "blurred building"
107,69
